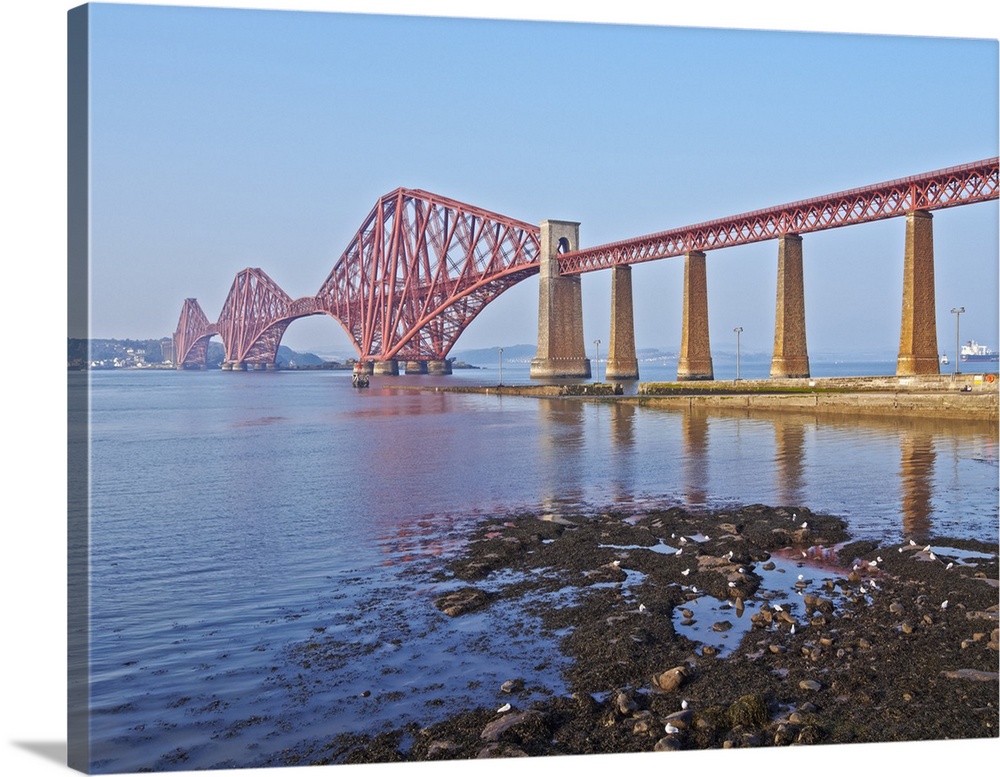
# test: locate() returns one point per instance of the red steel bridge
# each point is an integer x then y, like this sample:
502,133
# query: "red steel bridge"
421,267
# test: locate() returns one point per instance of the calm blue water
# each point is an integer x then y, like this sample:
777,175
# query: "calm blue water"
263,543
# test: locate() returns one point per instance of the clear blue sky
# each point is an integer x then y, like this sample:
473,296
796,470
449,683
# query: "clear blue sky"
224,138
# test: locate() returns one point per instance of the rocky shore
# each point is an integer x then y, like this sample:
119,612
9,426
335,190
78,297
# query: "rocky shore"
751,627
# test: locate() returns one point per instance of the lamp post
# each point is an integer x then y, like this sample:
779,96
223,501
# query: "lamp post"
597,360
500,360
738,330
958,314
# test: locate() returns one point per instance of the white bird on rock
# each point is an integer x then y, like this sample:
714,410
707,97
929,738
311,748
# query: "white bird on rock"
933,557
944,605
950,565
671,729
686,572
684,704
927,548
912,542
505,708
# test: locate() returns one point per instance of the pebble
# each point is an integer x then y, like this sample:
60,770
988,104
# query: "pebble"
671,680
810,685
626,704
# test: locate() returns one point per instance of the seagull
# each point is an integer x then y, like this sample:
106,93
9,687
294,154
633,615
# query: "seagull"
805,524
616,563
900,550
927,548
678,552
694,589
933,557
642,608
686,572
732,584
684,704
950,565
794,516
944,605
777,608
801,576
912,542
504,708
873,564
729,555
742,571
804,554
792,630
671,729
879,559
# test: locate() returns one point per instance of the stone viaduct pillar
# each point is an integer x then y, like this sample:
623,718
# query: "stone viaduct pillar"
622,361
918,351
561,353
695,362
387,367
439,367
790,359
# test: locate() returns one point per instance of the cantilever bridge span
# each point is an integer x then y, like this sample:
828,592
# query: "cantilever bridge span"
421,267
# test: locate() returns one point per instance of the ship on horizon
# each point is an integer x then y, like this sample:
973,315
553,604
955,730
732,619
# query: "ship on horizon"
974,352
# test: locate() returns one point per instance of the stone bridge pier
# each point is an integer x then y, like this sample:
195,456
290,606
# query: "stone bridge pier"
561,352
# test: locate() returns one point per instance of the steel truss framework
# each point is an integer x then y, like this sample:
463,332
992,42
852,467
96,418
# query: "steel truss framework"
419,270
421,267
974,182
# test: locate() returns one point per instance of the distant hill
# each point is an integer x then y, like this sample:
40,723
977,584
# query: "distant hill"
107,353
487,357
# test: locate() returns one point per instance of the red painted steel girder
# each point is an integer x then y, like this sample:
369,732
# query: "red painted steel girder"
255,315
962,185
420,269
192,335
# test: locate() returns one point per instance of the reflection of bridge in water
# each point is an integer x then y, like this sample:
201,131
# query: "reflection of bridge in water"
422,267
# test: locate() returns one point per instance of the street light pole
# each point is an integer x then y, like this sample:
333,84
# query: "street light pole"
597,360
958,314
738,330
500,359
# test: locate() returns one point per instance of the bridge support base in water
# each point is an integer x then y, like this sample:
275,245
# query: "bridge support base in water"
561,353
790,359
695,360
622,362
438,367
918,352
387,367
415,367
